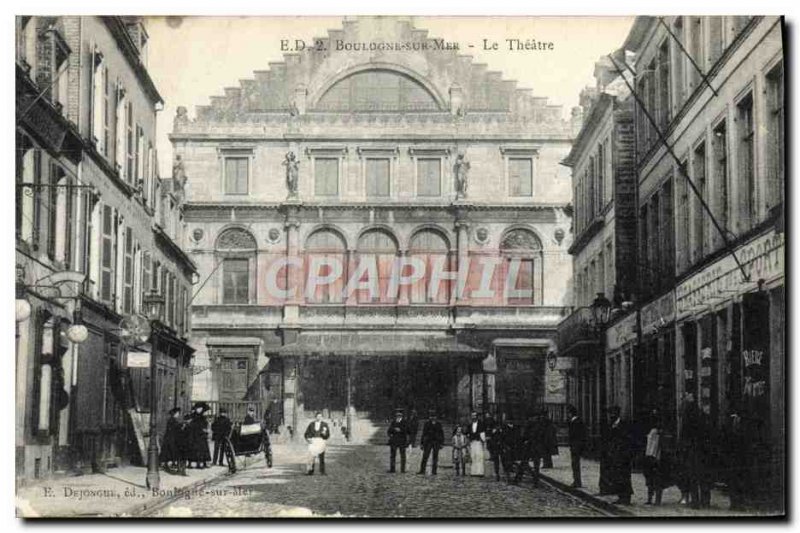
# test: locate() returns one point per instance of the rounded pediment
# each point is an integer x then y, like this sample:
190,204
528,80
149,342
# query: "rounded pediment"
377,89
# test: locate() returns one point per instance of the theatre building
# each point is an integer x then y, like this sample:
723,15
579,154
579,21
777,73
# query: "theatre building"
377,230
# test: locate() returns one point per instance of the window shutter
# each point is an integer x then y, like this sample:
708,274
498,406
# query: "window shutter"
69,224
130,148
107,255
127,269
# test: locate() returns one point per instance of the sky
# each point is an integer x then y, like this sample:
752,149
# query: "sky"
193,58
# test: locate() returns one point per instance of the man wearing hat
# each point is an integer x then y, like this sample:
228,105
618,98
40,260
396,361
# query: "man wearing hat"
398,441
220,433
432,441
250,417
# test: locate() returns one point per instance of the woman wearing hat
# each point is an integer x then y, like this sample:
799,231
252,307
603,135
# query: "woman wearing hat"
171,453
198,436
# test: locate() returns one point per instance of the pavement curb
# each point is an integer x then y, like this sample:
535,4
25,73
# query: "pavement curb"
139,510
593,500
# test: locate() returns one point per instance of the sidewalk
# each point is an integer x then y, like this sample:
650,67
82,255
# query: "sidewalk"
561,474
118,492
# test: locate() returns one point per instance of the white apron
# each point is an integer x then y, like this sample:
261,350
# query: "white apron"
476,455
316,447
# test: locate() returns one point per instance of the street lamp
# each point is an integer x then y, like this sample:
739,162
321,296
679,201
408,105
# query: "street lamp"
153,304
601,311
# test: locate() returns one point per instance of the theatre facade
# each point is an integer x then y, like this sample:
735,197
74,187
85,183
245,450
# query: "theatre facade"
375,230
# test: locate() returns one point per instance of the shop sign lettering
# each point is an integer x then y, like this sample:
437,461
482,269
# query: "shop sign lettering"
762,259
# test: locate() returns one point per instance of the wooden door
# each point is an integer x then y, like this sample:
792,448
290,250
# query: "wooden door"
234,378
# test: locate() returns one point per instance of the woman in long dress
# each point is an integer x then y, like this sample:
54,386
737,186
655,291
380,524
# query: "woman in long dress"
172,456
476,435
198,433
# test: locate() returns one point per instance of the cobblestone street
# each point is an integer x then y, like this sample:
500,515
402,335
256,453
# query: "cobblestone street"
357,485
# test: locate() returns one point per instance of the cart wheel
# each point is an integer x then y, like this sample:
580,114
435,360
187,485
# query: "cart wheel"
230,457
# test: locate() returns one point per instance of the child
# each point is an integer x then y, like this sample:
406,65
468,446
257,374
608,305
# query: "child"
460,451
652,467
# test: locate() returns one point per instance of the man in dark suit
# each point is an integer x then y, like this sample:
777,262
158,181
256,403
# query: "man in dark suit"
220,433
398,440
317,430
620,455
577,443
432,441
535,445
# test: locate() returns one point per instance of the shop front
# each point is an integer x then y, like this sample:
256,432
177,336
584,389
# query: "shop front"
730,349
654,382
621,365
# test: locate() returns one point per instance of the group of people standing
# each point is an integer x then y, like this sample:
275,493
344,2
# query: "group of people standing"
185,441
703,455
508,446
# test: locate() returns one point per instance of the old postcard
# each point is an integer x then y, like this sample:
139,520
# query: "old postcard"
404,267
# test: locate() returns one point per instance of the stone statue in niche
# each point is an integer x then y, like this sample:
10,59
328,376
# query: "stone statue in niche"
292,168
461,169
178,172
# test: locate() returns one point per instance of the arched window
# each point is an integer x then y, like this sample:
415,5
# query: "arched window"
377,253
521,268
326,267
236,249
377,90
432,249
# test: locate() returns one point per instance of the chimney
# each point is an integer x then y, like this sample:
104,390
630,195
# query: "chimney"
576,119
604,73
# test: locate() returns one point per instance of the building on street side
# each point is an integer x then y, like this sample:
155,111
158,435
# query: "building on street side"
97,235
603,250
